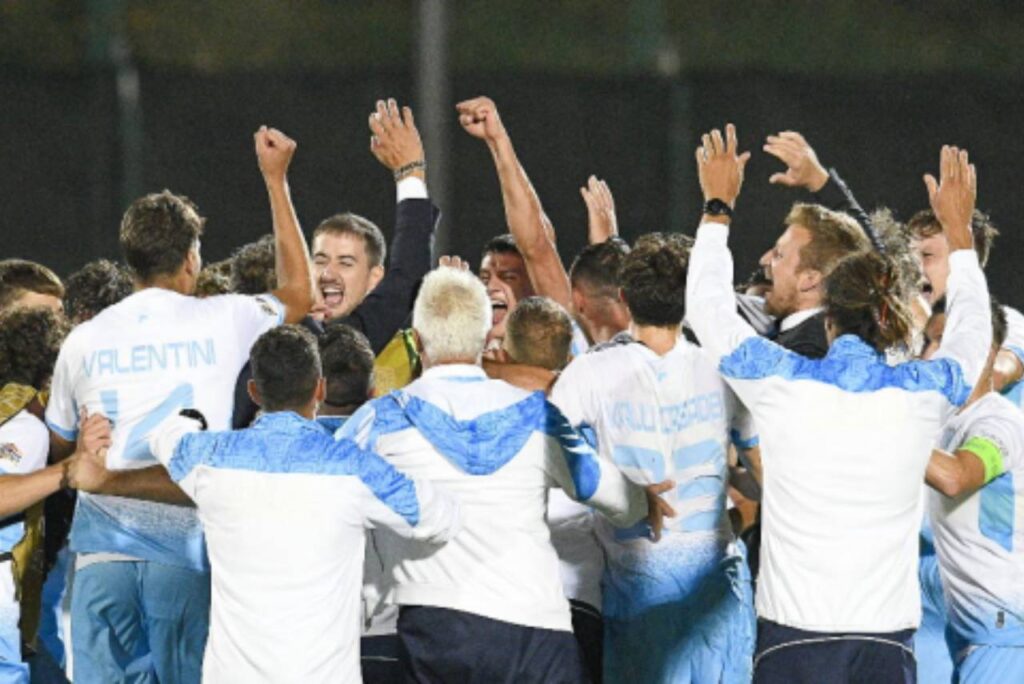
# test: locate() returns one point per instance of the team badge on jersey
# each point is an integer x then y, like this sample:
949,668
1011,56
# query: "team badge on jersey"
10,452
267,307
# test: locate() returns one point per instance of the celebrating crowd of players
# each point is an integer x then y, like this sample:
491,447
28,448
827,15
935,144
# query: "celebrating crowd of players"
347,463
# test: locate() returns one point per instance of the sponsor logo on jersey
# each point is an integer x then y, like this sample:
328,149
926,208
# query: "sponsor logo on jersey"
10,452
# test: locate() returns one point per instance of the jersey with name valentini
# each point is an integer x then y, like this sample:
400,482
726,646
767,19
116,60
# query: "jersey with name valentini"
980,537
137,363
845,441
658,418
285,508
498,449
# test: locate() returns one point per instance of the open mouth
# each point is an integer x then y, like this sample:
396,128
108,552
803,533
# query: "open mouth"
498,311
333,296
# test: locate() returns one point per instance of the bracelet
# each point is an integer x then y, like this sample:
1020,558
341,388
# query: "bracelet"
408,169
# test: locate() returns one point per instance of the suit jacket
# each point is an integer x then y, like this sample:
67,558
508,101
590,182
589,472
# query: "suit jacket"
808,338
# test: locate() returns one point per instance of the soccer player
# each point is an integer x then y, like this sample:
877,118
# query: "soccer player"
977,480
838,593
140,603
30,339
489,605
285,508
681,611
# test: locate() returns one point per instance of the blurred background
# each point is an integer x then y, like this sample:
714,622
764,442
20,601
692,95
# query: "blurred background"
104,100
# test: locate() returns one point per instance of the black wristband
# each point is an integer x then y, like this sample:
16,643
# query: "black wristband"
196,416
716,207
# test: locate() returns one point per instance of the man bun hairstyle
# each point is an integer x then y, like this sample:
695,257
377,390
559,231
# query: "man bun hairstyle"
157,232
863,297
653,278
285,367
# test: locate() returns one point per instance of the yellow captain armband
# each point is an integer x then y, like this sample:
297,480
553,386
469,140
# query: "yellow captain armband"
989,453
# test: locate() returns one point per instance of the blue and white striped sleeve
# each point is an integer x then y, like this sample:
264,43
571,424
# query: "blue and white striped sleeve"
414,509
573,466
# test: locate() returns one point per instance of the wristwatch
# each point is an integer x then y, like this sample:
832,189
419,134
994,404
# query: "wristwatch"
716,207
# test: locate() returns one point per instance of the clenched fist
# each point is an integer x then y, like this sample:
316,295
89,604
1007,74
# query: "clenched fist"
479,117
274,152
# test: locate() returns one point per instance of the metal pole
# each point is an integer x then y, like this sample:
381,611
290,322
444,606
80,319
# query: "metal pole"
434,108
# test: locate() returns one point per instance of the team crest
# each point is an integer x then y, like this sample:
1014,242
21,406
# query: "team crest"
10,452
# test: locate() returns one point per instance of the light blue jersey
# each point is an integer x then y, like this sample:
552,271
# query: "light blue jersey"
680,610
138,362
980,541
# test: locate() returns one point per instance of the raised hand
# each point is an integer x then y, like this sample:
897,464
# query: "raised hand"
953,196
602,223
479,117
657,508
452,262
803,170
719,167
274,152
395,140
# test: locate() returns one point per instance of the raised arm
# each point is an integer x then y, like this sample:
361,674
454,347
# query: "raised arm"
967,338
803,170
274,152
529,225
710,300
396,144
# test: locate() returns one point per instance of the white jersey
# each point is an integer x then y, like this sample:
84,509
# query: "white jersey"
1015,343
285,507
845,441
24,444
980,538
657,418
138,362
498,449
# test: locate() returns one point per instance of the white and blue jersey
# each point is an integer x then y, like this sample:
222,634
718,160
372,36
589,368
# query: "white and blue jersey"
845,441
285,507
137,363
24,444
498,449
1015,343
658,418
980,537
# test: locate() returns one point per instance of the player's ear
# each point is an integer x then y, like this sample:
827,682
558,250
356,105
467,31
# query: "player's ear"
254,393
320,393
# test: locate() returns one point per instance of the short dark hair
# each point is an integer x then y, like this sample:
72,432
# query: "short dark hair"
924,224
94,287
999,323
653,278
253,269
353,224
30,340
18,276
596,267
501,244
285,367
539,333
348,364
157,232
864,297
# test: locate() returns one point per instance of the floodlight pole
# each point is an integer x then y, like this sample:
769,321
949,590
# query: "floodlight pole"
433,106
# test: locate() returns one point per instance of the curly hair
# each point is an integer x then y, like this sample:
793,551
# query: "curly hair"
30,340
157,232
924,224
864,297
252,267
653,278
93,288
211,283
